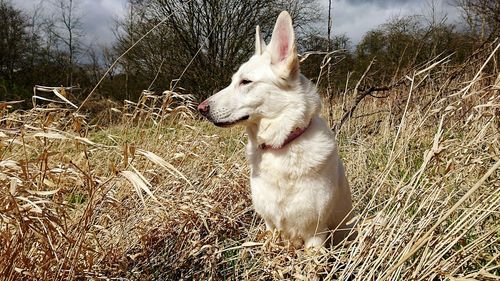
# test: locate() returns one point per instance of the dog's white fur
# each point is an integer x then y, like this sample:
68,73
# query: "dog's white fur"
299,189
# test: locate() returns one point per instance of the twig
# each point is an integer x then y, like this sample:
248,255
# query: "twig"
369,114
157,74
361,95
369,92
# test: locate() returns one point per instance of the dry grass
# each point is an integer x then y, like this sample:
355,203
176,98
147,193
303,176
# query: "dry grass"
162,195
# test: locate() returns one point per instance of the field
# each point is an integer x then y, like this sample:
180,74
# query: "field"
149,191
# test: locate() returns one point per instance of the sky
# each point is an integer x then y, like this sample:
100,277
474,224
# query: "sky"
355,17
97,16
351,17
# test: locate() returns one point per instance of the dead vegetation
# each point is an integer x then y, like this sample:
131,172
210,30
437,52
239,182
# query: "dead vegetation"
161,195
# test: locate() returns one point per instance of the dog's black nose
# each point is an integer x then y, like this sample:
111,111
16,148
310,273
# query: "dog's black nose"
204,107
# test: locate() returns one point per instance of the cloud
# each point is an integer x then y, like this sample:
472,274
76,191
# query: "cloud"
351,17
97,16
379,3
355,17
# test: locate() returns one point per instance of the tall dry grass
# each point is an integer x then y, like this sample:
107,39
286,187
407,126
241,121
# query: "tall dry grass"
160,195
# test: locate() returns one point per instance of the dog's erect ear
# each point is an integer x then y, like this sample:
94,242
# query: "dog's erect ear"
282,47
260,45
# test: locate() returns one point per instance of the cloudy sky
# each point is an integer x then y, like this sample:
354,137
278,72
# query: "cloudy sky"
97,16
350,17
355,17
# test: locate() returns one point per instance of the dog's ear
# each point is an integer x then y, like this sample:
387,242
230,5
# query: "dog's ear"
260,44
282,47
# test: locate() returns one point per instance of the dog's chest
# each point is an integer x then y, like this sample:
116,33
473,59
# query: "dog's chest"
271,197
279,190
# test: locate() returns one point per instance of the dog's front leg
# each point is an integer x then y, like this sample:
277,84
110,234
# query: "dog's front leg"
269,225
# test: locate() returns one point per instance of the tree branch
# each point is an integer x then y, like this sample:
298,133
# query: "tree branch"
361,95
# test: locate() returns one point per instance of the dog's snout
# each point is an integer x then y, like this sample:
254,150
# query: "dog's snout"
204,107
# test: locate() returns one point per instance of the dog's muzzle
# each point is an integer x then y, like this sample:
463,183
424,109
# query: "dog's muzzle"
218,119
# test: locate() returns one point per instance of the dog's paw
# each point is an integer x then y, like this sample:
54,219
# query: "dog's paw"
314,242
273,133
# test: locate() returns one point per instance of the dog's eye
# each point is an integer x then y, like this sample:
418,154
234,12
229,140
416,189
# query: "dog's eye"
245,82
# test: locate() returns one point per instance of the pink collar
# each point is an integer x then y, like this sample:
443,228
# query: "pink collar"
292,136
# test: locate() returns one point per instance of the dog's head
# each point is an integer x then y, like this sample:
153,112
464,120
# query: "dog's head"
266,86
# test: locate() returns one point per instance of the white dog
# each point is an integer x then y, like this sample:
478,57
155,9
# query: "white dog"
297,178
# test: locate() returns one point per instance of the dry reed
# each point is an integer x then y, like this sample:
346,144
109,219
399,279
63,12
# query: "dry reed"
164,196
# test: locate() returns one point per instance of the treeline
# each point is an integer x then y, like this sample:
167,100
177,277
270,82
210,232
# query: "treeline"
195,46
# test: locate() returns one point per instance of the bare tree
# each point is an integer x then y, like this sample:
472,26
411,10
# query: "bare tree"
68,29
13,39
482,16
34,30
212,37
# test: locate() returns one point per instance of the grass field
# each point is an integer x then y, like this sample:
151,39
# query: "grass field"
158,194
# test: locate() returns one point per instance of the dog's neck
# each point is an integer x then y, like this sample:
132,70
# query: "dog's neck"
291,137
277,129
